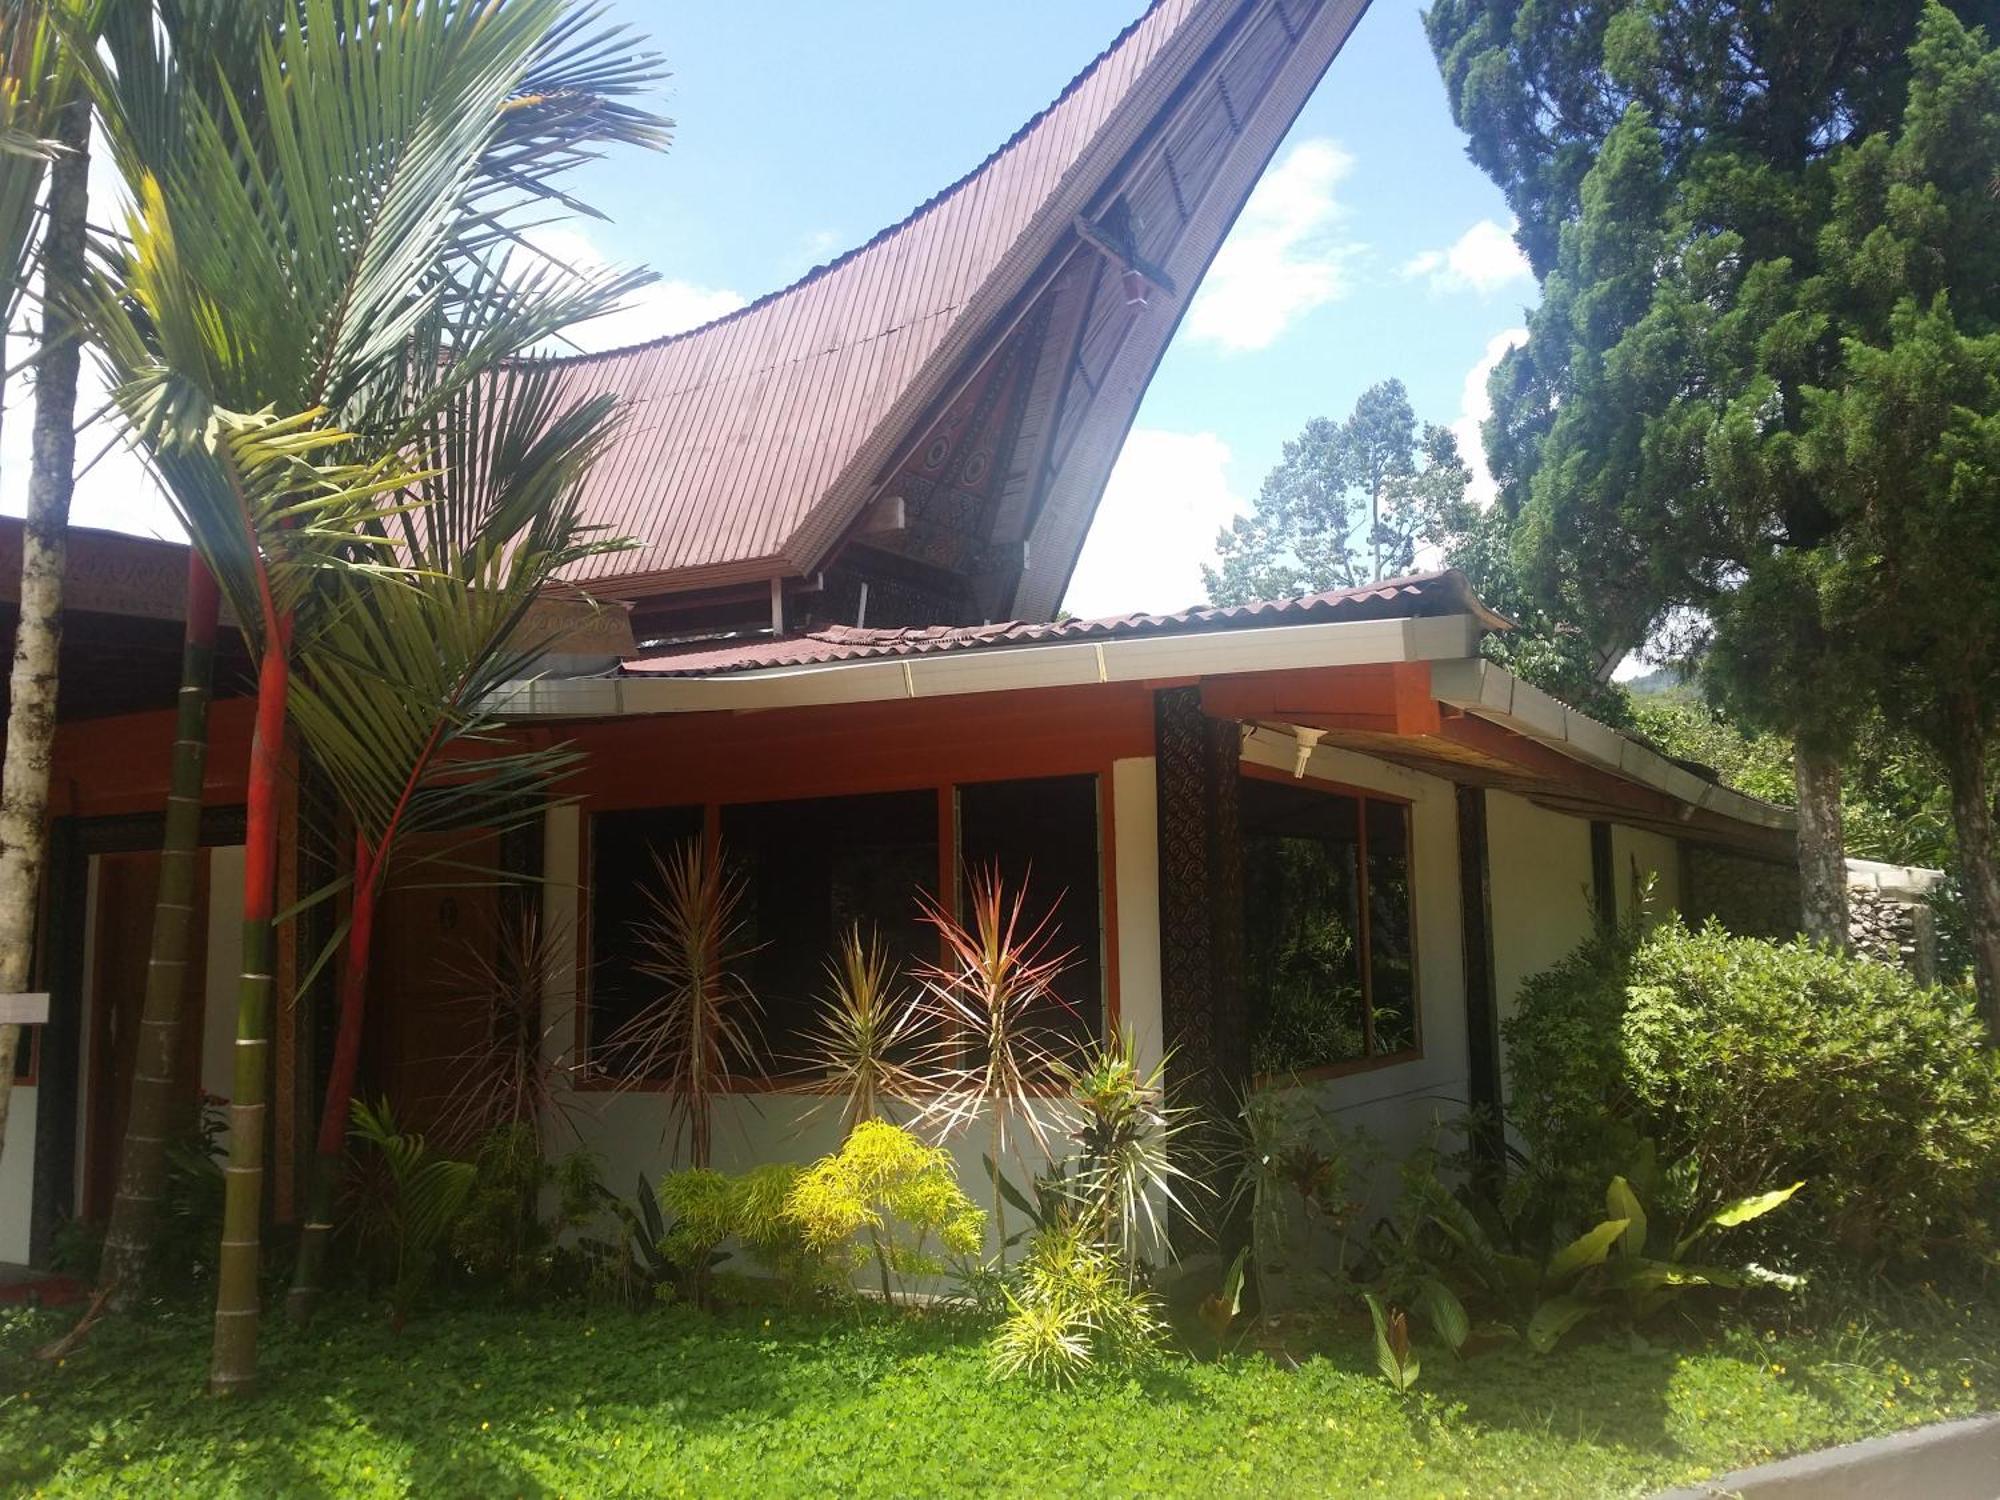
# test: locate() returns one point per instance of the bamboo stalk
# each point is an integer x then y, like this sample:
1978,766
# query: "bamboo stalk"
233,1369
309,1273
158,1104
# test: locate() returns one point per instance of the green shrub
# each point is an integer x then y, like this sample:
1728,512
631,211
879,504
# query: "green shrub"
887,1188
1765,1063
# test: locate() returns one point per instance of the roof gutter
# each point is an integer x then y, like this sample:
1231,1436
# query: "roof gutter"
1492,692
993,669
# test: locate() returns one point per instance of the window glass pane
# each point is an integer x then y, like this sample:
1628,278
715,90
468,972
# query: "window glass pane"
622,849
1301,930
1392,971
1042,835
810,869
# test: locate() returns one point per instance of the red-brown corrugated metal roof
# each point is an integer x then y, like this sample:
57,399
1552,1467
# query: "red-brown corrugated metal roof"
1393,598
737,431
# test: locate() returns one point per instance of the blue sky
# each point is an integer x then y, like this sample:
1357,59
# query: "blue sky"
802,129
1373,247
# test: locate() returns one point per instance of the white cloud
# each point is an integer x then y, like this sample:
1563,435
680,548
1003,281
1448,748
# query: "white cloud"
1483,259
1475,406
652,312
1283,258
1167,498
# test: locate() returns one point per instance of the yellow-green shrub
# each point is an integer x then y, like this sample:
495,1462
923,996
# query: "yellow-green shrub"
888,1188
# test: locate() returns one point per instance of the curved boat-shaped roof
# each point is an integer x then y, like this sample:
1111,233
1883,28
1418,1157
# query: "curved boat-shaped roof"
752,444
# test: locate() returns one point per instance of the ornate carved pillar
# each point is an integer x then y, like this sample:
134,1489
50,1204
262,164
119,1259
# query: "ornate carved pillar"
1202,1007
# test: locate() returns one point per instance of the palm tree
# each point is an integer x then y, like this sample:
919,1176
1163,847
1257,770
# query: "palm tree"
44,118
298,308
152,89
389,698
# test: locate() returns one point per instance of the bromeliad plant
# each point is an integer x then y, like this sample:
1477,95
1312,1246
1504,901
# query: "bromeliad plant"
1133,1150
701,1025
1289,1162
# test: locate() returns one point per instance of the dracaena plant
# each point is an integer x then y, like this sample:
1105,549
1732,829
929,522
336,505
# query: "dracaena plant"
868,1033
513,1072
699,1024
988,997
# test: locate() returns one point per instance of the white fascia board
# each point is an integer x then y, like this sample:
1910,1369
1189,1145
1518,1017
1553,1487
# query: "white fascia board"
1492,692
1442,639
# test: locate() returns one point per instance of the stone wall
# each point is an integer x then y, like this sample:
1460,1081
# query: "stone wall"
1751,897
1894,929
1888,915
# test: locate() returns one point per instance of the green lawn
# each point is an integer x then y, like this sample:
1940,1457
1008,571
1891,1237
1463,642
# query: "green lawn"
560,1402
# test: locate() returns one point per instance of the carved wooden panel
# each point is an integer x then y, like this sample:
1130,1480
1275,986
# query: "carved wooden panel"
1201,899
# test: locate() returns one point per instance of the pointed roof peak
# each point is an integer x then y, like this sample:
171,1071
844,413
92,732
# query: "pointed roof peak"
889,231
753,443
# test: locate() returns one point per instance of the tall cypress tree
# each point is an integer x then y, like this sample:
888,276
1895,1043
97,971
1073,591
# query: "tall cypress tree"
1670,163
1906,443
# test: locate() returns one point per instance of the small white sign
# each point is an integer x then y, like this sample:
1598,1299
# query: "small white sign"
24,1010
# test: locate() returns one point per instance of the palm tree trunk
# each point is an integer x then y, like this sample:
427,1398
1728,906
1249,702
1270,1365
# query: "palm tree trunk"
31,703
233,1369
308,1275
1822,847
158,1103
1972,819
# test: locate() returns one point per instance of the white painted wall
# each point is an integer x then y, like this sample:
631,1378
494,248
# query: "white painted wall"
1135,817
225,967
17,1175
1638,854
1540,875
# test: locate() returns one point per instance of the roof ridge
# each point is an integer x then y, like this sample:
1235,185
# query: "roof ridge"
827,267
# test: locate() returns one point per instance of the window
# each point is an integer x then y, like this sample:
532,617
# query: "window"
1042,835
622,868
1329,971
810,869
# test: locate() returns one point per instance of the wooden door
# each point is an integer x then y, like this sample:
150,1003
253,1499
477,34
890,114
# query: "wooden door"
121,944
433,926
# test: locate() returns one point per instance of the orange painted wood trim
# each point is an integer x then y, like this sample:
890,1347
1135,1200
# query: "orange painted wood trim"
1383,698
852,749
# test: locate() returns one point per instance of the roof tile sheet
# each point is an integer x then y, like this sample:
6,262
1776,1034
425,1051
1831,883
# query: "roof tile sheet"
1394,598
736,431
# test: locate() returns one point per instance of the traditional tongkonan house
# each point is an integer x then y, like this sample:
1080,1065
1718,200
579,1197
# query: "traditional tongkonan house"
1317,840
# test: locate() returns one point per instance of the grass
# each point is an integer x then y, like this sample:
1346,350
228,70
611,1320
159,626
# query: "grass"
560,1401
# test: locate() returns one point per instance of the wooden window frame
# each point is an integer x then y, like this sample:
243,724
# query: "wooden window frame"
1374,1061
589,1080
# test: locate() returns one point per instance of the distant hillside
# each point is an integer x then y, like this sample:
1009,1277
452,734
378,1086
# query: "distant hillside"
1658,683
